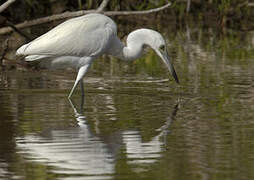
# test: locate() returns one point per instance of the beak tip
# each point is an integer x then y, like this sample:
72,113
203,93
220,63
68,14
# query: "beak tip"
169,65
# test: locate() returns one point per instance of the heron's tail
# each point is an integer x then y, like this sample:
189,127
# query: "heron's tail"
35,57
21,50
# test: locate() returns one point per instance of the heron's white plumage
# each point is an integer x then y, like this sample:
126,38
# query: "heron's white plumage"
76,42
74,37
64,62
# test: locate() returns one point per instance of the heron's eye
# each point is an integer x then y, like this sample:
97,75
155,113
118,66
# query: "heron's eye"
162,48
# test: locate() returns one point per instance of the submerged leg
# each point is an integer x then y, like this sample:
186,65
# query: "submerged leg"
82,71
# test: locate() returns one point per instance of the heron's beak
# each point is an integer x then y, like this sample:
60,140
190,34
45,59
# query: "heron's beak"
166,59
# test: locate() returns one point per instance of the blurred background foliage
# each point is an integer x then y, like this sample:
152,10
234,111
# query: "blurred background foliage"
223,12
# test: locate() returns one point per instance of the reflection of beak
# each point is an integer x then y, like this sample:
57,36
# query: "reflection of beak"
166,59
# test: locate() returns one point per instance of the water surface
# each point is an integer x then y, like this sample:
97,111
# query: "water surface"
135,121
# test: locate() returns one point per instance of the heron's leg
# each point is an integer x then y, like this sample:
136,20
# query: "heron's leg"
82,104
82,88
82,71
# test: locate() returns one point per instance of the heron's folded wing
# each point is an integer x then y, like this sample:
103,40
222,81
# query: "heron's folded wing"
83,36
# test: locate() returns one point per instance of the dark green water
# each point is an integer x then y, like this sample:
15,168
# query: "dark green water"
135,123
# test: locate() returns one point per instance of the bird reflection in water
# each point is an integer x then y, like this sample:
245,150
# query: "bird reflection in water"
79,151
143,153
81,119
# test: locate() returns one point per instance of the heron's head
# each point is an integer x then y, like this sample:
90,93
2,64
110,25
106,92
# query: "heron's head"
158,44
147,37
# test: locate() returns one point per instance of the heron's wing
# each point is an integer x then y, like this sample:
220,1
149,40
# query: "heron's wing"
87,35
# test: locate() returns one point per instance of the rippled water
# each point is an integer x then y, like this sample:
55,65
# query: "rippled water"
134,122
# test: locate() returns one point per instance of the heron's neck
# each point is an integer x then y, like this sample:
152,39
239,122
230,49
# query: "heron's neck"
134,45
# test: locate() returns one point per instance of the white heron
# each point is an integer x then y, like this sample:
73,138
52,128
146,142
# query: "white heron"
78,41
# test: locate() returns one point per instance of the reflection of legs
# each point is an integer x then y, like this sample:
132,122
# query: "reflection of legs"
74,107
82,71
81,119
